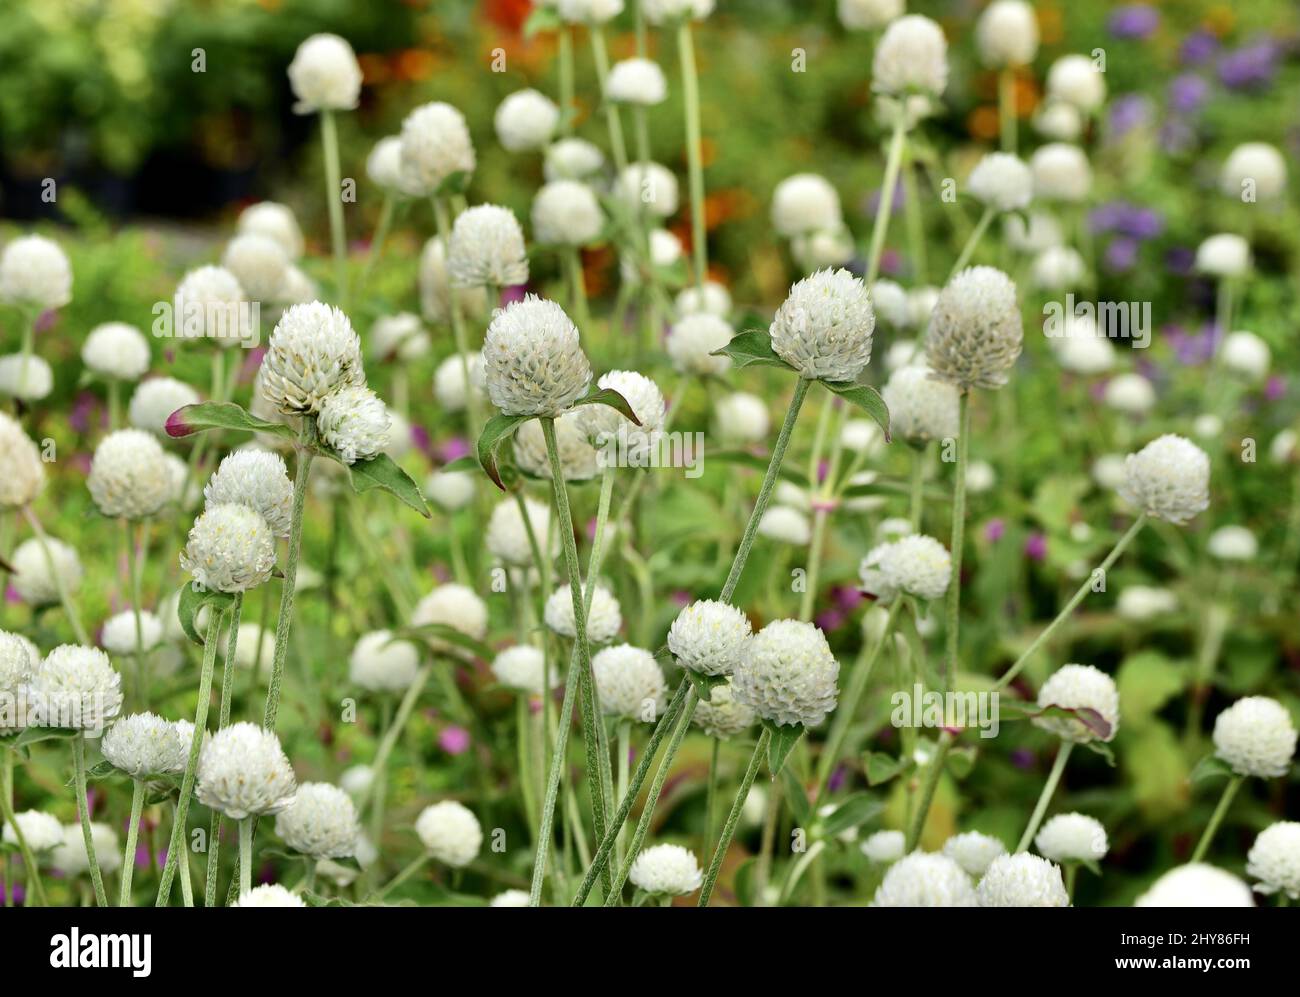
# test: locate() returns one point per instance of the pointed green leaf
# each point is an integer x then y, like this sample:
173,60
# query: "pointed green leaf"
705,684
498,429
782,742
752,349
1210,767
610,397
853,812
865,397
383,472
961,760
193,598
881,768
190,419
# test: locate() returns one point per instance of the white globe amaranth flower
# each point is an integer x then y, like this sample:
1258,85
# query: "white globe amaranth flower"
883,847
711,298
1256,737
1246,354
1232,543
325,75
1076,80
742,418
257,479
980,477
71,858
450,832
1131,394
523,669
889,299
320,821
118,634
588,11
1058,268
911,58
1058,120
1072,837
269,895
1196,885
526,120
1082,348
787,674
661,12
975,329
1002,182
579,460
144,745
259,263
1041,232
22,472
76,688
824,328
572,159
313,352
629,683
1169,479
603,620
786,525
1274,859
155,400
210,302
398,337
608,428
566,213
355,423
116,351
665,250
533,363
275,221
41,831
1061,172
692,341
821,250
1142,603
1254,171
636,81
650,187
921,407
721,715
867,15
805,202
449,385
709,637
1224,255
974,851
35,273
507,532
243,772
918,565
1006,34
297,288
230,548
18,663
40,568
27,377
128,475
379,663
1080,687
1022,880
436,147
436,291
924,879
452,605
487,248
384,165
666,870
511,898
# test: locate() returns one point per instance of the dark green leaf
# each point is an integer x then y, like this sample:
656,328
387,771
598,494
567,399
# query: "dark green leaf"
856,810
742,883
796,797
193,598
1085,715
453,183
383,472
190,419
498,429
961,760
1101,748
1210,767
865,397
782,742
34,735
705,684
753,349
610,397
881,768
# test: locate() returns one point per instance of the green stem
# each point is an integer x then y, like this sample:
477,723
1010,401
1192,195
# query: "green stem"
132,831
394,731
958,541
83,814
1007,109
377,241
932,772
217,820
245,855
114,404
623,746
976,234
600,53
442,216
34,883
893,162
65,598
410,870
1225,801
577,287
733,819
694,152
1045,797
711,795
916,501
798,869
334,200
566,79
133,583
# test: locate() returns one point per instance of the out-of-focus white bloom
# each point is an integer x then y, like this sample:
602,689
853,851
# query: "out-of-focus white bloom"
243,772
974,852
435,287
119,632
155,400
1233,543
384,165
1131,394
76,688
256,647
320,821
71,858
924,879
27,377
258,480
1169,479
572,159
526,120
867,15
805,202
722,716
975,329
435,148
1108,471
116,351
450,833
1058,120
636,81
313,352
18,663
354,423
1223,255
1061,172
144,745
325,75
820,250
37,581
1072,838
889,299
1255,736
1274,859
1002,182
1196,885
665,250
629,682
921,407
824,327
128,475
22,472
1207,426
269,895
1074,78
230,548
566,213
449,385
210,302
648,186
487,247
742,418
666,870
523,668
1058,268
1022,880
588,11
381,664
533,363
604,425
1042,232
275,221
1080,687
1254,170
1285,448
357,780
660,12
884,846
1082,348
579,460
455,606
785,525
507,533
35,273
980,477
41,831
1141,603
1246,354
259,263
510,898
911,58
709,637
788,674
712,299
399,337
692,341
1006,34
297,288
603,620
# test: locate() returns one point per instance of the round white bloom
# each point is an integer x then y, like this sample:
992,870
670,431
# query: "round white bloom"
41,831
1223,255
76,688
257,479
884,846
507,533
742,418
920,306
921,407
455,606
533,362
1233,543
911,58
709,637
1002,181
820,250
275,221
380,664
27,377
450,490
269,895
230,548
128,475
1207,426
974,852
1072,838
919,566
785,525
665,250
1074,79
384,165
1131,394
1080,687
398,337
35,579
805,202
1141,603
436,292
450,833
313,352
660,12
572,159
1058,268
1169,478
603,424
1196,885
1082,348
1274,859
144,745
636,81
523,669
526,120
435,147
1061,172
259,263
119,632
1256,168
648,186
71,857
629,682
243,772
1108,471
603,620
18,663
1042,232
867,15
155,400
210,304
666,870
487,247
355,423
22,472
578,458
924,879
1006,34
692,341
510,898
358,779
320,821
722,716
787,674
975,329
35,273
325,75
588,11
980,477
566,213
1255,736
449,385
297,288
1058,120
711,298
116,351
1246,354
824,327
1022,880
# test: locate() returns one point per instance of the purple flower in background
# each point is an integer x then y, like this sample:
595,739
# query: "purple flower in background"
1121,254
1198,48
1187,92
994,530
836,782
1249,67
1192,348
1128,112
453,449
873,202
46,320
1142,223
831,619
891,263
1275,388
510,295
1036,546
1022,758
454,740
422,440
1180,259
847,597
1136,20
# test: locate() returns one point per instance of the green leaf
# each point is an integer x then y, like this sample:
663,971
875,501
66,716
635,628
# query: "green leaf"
384,473
1085,715
1147,681
881,768
961,760
865,397
452,184
753,349
797,797
193,598
35,735
190,419
705,684
541,19
459,465
446,634
783,739
610,397
853,812
498,429
1211,767
742,883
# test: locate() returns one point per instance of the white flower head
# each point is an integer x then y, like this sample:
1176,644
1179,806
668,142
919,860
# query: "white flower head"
243,772
22,472
975,329
921,407
522,668
76,688
606,426
128,475
1224,255
355,423
1058,268
629,682
436,291
71,857
119,632
320,821
144,745
974,852
867,15
805,202
325,75
25,376
722,716
259,263
1131,394
379,663
487,247
533,362
711,298
742,418
275,221
1082,348
154,401
230,548
455,606
648,186
384,165
1072,837
572,159
1076,80
116,351
1256,737
1254,168
436,147
1002,182
603,620
1142,603
449,384
510,898
692,341
1022,880
661,12
450,490
824,328
313,352
709,637
18,663
1169,479
269,895
37,578
788,674
924,879
507,532
401,337
1196,885
450,832
1246,354
526,120
41,831
636,81
210,301
786,525
35,273
579,460
1006,34
1061,172
883,847
666,870
566,213
911,58
1078,688
1232,543
1274,859
257,479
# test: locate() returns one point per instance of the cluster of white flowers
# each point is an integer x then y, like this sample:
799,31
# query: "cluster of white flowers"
320,821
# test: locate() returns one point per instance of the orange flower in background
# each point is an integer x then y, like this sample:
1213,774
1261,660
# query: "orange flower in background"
1027,95
508,15
414,64
375,69
1051,26
982,123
